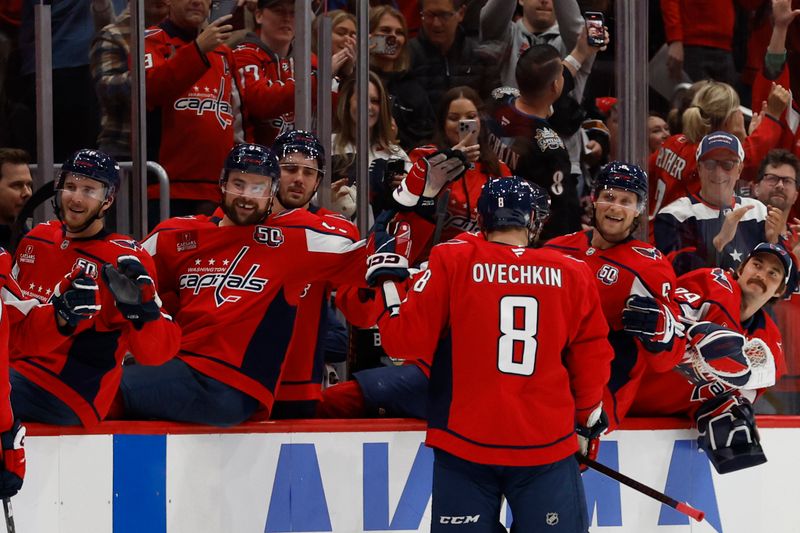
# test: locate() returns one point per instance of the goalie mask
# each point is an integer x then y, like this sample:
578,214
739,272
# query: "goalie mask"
94,165
513,203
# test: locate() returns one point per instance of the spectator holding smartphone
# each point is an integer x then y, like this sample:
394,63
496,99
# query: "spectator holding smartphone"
390,59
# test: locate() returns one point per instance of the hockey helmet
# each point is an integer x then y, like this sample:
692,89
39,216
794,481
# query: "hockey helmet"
622,175
509,203
299,141
92,164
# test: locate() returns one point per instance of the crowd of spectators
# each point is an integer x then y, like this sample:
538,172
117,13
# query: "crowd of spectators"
723,148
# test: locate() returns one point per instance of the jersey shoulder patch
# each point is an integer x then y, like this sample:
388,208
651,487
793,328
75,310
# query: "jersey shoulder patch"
650,253
719,277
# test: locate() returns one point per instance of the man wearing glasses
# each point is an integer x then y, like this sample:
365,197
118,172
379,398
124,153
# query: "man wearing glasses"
776,187
714,227
442,56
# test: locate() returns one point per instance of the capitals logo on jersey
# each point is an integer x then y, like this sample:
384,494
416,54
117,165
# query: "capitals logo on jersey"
202,100
128,244
650,253
719,276
223,279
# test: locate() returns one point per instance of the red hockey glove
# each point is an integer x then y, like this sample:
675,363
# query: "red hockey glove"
133,290
75,298
429,175
390,250
589,434
13,472
651,321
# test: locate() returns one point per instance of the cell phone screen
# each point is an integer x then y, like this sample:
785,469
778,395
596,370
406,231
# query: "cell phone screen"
220,8
595,32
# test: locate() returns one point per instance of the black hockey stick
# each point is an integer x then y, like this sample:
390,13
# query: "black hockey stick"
441,215
681,507
9,512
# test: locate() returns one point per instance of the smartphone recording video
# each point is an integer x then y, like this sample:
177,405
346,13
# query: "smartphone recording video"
467,127
220,8
384,45
595,28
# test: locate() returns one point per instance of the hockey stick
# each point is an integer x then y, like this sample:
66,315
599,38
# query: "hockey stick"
9,513
441,215
681,507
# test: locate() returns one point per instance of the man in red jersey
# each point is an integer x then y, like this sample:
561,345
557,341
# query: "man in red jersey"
236,282
61,261
723,382
534,346
623,267
191,92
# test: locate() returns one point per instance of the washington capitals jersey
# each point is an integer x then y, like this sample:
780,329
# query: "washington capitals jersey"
685,230
85,369
190,97
629,268
236,289
712,295
534,151
518,345
267,85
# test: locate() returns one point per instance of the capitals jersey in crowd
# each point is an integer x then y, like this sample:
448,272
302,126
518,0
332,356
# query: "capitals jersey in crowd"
267,84
84,370
713,295
628,268
518,344
236,288
190,100
672,169
685,230
535,152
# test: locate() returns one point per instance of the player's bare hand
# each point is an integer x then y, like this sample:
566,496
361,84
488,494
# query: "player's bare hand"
215,34
782,13
729,226
778,100
774,224
675,60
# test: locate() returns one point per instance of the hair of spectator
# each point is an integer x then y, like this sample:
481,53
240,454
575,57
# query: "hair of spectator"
337,16
681,100
457,4
403,62
537,68
711,107
491,165
14,156
776,158
381,134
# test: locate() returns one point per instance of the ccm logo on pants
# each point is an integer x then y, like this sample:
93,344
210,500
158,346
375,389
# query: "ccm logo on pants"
459,519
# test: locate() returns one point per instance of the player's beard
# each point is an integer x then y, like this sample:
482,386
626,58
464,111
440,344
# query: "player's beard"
232,206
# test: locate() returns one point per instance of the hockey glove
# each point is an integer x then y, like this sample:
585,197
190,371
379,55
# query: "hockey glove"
728,433
715,354
651,321
589,434
429,175
75,298
389,258
133,290
13,471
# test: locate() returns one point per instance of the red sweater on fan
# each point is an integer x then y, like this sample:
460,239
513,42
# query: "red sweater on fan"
699,22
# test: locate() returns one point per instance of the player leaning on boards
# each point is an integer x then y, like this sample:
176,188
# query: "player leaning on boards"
99,322
233,282
624,268
537,377
736,353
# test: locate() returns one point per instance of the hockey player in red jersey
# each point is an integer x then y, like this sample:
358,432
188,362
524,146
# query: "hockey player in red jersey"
191,87
723,378
302,157
236,282
510,383
624,268
100,320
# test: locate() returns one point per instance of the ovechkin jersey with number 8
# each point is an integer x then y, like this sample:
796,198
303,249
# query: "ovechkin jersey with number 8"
518,349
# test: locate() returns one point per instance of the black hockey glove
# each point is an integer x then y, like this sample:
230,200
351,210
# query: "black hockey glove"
75,298
651,321
133,290
589,434
728,433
